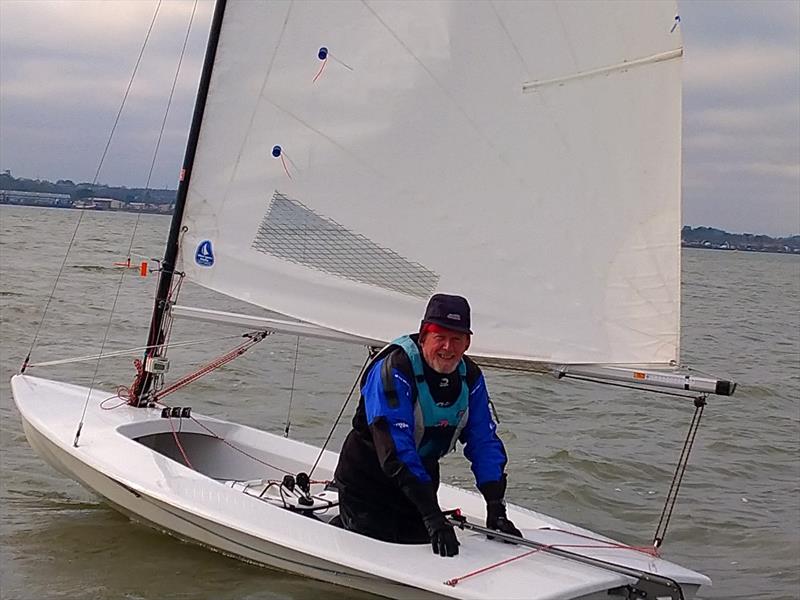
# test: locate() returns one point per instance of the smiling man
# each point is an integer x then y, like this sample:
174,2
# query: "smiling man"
419,396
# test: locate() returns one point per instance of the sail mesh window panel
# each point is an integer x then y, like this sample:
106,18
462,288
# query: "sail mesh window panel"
292,231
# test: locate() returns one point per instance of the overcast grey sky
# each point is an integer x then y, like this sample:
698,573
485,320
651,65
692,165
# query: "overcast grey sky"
65,65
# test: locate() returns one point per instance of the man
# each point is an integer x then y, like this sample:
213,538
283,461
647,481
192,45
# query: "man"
418,397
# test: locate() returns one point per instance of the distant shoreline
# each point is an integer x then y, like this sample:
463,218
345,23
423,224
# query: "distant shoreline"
709,238
702,238
752,250
153,209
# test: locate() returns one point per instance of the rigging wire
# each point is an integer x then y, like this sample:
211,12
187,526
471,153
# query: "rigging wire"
127,91
94,181
138,217
128,352
99,356
683,459
164,121
341,411
291,390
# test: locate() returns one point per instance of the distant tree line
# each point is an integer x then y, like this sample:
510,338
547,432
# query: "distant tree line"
78,191
708,237
699,237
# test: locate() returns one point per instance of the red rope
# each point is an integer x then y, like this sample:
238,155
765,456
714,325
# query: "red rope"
126,393
650,550
324,62
606,544
123,403
285,168
178,443
215,364
453,582
237,449
248,455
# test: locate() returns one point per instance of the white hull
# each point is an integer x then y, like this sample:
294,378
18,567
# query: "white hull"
192,528
128,456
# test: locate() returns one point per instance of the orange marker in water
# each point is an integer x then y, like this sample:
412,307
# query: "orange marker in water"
143,269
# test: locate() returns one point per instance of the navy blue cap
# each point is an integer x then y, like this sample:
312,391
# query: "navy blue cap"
448,311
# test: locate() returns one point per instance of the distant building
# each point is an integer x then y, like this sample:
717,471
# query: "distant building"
35,198
106,203
84,204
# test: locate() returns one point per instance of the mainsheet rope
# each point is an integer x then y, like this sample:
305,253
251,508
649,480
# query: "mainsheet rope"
291,389
341,412
677,478
683,460
604,544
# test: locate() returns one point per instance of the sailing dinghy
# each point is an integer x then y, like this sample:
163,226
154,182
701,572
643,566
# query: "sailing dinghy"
347,160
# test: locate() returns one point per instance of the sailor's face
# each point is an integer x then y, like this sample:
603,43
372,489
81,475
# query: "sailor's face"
443,350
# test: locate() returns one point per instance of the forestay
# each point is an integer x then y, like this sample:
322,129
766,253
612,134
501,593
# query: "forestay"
356,157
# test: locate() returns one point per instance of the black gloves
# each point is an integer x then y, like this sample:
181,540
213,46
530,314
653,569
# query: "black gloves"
493,492
443,538
496,518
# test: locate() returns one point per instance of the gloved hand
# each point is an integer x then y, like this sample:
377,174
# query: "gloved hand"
496,518
494,492
443,538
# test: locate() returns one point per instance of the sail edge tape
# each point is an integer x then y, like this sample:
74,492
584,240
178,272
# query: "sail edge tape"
623,66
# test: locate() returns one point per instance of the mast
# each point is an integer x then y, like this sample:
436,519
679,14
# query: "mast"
157,333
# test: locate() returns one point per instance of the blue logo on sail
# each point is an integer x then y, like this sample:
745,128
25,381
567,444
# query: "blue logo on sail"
204,255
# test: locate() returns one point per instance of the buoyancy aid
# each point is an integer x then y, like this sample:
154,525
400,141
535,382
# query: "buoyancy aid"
437,427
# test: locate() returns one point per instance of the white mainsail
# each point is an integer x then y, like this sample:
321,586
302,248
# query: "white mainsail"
356,157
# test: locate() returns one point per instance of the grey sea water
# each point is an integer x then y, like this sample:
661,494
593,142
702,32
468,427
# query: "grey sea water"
598,456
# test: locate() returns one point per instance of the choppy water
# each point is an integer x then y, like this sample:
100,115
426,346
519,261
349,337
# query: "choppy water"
597,456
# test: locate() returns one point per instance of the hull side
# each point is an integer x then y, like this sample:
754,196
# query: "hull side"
119,459
194,529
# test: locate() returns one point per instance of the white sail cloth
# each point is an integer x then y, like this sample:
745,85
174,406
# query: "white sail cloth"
356,157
